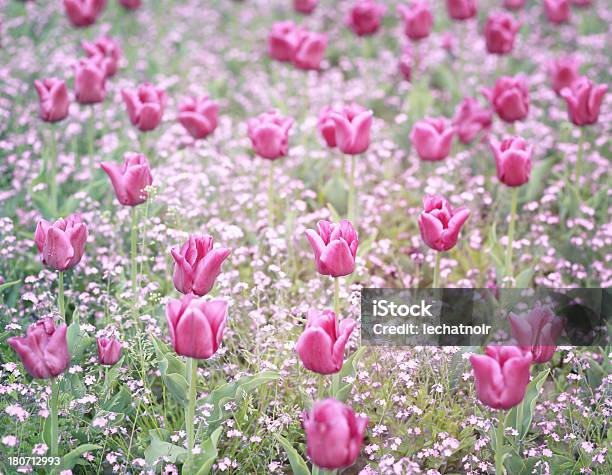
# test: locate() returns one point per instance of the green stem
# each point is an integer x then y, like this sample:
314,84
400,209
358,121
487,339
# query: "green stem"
60,296
133,254
337,296
53,174
436,277
499,446
91,131
271,195
579,159
513,205
190,411
351,194
53,403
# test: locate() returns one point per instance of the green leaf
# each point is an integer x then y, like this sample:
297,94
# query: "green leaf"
71,458
342,391
46,432
538,180
158,448
120,402
6,285
523,280
209,453
528,406
298,466
172,371
335,192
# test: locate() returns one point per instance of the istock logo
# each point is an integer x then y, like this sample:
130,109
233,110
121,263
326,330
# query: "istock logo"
385,308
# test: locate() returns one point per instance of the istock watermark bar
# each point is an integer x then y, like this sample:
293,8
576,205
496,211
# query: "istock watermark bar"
474,317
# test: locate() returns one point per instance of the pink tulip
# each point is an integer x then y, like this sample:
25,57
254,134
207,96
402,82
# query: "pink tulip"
83,12
145,106
269,134
130,179
309,50
537,332
105,51
582,3
130,4
470,119
196,326
326,124
418,19
334,434
500,31
352,129
557,11
563,73
365,17
461,9
321,345
334,247
197,265
54,101
440,224
583,100
502,376
283,39
509,98
89,81
405,65
199,116
61,243
44,349
513,161
514,4
109,351
305,6
432,138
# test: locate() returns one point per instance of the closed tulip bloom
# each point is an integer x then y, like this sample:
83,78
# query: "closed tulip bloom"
514,4
105,51
583,100
563,73
461,9
501,375
196,326
89,81
145,106
305,6
309,50
199,116
283,39
500,31
418,19
321,345
269,134
130,179
513,161
509,98
537,332
53,97
432,138
557,11
109,351
334,247
334,434
130,4
326,124
365,17
352,129
197,265
440,224
83,12
61,243
44,349
470,119
405,65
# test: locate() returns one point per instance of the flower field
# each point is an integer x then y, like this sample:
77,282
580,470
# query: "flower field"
195,194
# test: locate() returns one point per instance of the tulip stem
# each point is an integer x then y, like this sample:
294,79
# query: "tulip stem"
436,277
579,158
337,296
351,194
53,174
192,367
499,447
271,195
513,205
91,131
53,402
60,296
133,254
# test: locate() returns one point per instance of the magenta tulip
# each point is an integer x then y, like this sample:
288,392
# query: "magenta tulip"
130,179
327,126
405,64
563,73
269,134
145,106
321,345
196,326
470,119
365,17
334,434
89,81
513,161
283,39
352,129
109,351
418,19
199,116
557,11
309,50
501,375
432,138
583,100
53,97
461,9
514,4
105,51
44,349
130,4
334,247
305,6
500,31
83,12
509,98
440,224
537,332
61,243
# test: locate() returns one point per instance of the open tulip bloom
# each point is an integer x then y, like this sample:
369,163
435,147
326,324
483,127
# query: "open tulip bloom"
145,106
537,332
334,247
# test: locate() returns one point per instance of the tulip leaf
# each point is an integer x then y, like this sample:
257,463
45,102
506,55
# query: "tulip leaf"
172,371
537,180
528,406
6,285
120,402
335,192
298,466
341,389
523,280
158,448
208,453
72,458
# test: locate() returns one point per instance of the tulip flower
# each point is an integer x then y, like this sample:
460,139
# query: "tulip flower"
62,243
130,4
405,64
582,3
418,19
365,17
283,39
83,12
352,131
537,332
501,375
461,9
145,106
334,247
500,31
470,119
105,51
440,224
321,345
583,100
513,161
334,434
130,179
309,50
563,73
54,101
327,125
514,4
198,116
509,98
197,265
269,134
89,81
432,138
557,11
109,351
305,6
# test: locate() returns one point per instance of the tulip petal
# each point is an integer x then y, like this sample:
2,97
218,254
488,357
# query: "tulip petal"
338,259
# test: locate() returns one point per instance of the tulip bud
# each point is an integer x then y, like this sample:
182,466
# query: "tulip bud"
432,138
83,12
470,119
305,6
461,9
537,332
89,81
269,134
352,129
513,161
500,31
418,19
196,326
62,243
145,106
509,98
365,17
563,73
557,11
440,224
334,247
405,64
106,52
199,116
309,50
44,349
321,345
283,39
54,101
130,179
109,351
583,100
